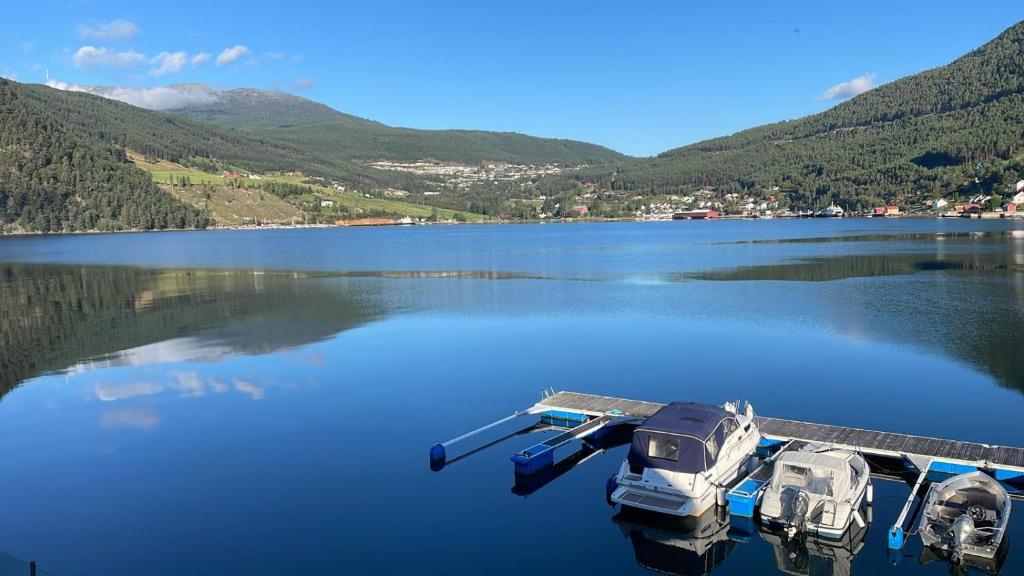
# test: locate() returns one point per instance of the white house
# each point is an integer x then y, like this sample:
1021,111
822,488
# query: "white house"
326,203
1018,198
940,203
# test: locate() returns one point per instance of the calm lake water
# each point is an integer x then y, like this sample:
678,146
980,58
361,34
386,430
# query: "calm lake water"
262,402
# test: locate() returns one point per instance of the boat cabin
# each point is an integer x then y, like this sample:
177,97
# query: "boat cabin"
824,474
681,437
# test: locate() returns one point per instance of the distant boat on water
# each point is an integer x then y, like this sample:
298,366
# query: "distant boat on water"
832,211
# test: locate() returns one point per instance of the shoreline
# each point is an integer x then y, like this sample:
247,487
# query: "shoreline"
995,216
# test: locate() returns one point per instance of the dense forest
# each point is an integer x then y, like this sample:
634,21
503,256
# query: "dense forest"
54,177
204,146
927,135
313,126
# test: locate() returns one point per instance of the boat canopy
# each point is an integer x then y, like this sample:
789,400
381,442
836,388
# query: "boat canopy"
681,437
825,473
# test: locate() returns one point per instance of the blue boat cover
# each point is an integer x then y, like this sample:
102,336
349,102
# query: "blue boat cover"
688,418
681,437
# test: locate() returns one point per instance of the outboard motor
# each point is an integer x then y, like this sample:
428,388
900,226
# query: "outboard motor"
962,531
799,503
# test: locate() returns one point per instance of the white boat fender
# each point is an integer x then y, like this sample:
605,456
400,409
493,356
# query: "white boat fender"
871,492
720,495
858,519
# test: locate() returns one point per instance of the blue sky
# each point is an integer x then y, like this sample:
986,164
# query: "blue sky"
640,77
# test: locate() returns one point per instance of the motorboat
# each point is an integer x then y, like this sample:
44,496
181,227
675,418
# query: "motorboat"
690,546
833,211
813,556
965,515
817,490
685,457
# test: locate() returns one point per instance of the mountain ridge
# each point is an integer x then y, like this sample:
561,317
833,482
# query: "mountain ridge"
921,135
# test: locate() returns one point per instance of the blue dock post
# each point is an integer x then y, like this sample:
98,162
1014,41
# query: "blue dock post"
897,535
439,451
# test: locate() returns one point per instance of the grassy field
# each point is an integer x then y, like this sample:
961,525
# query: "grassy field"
230,205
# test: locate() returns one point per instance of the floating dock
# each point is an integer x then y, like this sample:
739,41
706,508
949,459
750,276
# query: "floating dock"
585,415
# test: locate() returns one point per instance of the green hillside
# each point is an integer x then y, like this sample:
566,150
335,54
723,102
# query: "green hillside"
204,146
309,125
918,136
55,177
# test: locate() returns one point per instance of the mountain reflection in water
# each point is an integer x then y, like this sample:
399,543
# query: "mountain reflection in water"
54,317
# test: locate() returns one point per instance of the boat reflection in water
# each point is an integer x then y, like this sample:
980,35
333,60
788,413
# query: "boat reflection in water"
993,565
685,546
816,557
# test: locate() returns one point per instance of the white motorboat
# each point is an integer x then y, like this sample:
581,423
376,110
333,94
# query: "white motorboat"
833,211
817,490
685,457
966,515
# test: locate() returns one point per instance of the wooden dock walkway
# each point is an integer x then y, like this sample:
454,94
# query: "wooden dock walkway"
584,417
918,448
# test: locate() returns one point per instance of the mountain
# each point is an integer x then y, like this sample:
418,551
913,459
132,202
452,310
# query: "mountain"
922,135
311,125
252,109
56,177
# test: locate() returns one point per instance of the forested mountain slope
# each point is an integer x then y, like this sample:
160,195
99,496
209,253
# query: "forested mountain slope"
925,135
56,177
313,126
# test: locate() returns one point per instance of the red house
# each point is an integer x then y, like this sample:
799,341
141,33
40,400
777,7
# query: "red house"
695,215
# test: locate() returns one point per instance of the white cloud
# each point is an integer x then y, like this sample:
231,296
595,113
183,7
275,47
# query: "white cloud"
108,392
232,54
91,56
304,84
188,383
117,29
140,418
246,387
200,58
168,63
155,98
845,90
274,55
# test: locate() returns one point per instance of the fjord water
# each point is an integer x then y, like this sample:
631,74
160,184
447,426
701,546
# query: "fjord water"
262,402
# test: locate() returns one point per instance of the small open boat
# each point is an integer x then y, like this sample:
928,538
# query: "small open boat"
966,515
817,490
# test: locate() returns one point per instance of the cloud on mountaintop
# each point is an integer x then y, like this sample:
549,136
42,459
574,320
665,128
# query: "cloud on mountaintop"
156,98
93,57
117,29
849,89
230,55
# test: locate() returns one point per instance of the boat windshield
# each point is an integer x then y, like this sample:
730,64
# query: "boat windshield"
807,479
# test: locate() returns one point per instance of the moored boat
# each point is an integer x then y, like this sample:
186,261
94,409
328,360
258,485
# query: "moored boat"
817,490
965,515
684,457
